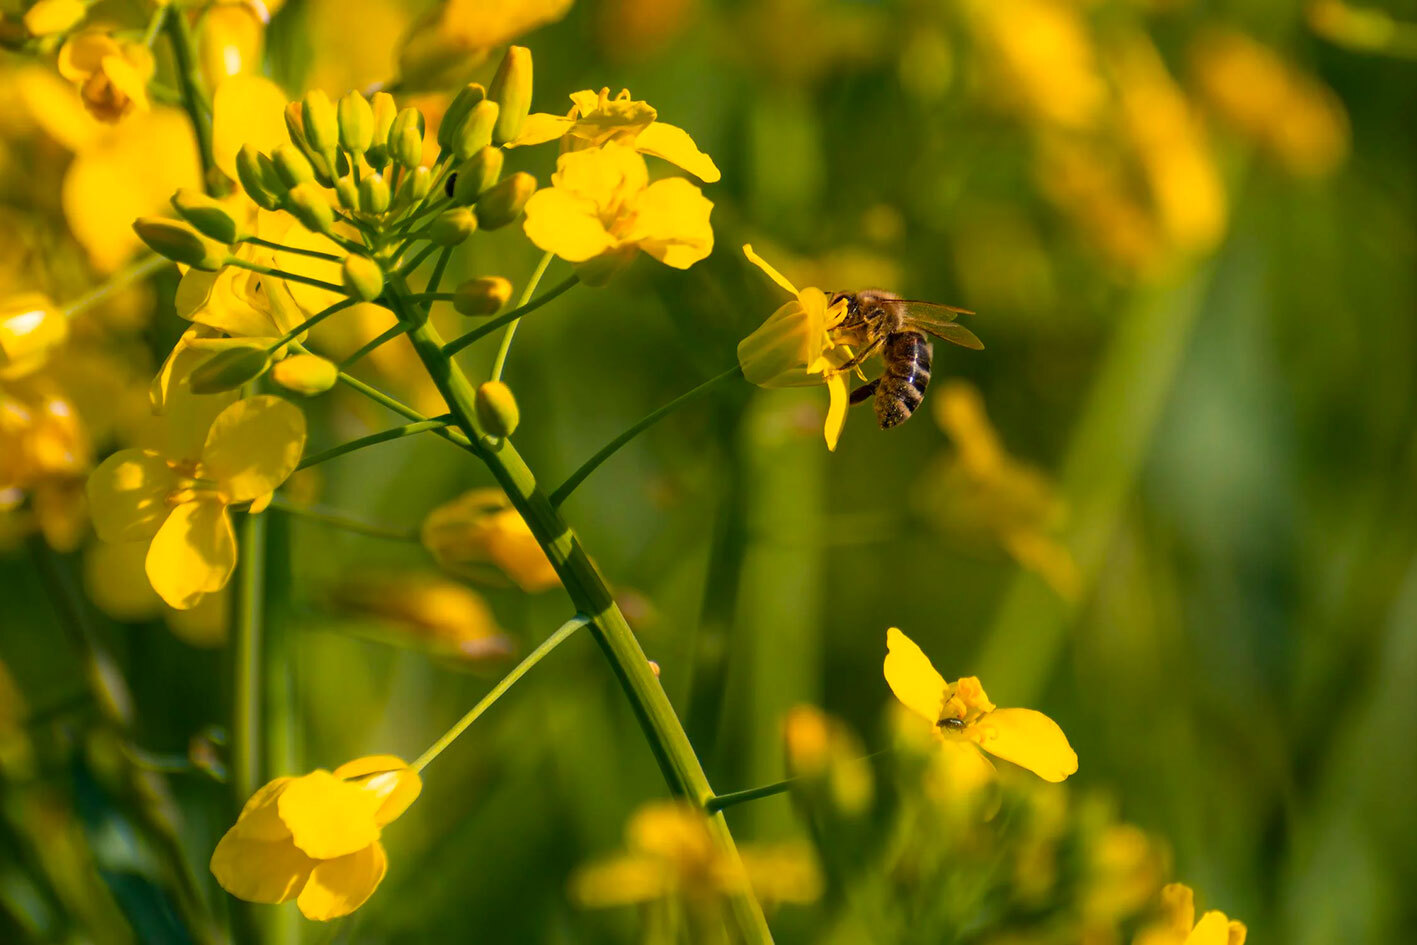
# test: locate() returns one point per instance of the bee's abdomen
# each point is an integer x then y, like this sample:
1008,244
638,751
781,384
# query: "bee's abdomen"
907,373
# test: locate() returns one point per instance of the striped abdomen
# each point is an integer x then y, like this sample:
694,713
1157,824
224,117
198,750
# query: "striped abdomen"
902,386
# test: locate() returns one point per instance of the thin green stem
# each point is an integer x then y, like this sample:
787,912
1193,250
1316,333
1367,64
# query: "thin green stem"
719,801
155,24
436,279
408,267
383,436
505,348
334,519
564,490
184,53
121,279
297,250
246,682
523,308
373,393
389,335
497,691
282,274
310,323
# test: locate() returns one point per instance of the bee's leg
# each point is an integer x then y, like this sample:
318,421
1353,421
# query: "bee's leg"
865,392
860,358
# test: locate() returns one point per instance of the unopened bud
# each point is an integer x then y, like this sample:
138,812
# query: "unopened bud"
511,90
208,216
356,123
312,208
482,296
504,201
476,131
468,96
348,193
452,226
250,172
307,374
496,409
292,165
384,111
321,125
406,138
413,188
476,175
363,278
374,194
228,370
181,243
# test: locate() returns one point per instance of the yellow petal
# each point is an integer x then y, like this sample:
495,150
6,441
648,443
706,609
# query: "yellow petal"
253,446
1029,739
672,223
674,145
246,109
128,495
192,554
329,817
282,228
780,351
607,176
1238,932
260,871
339,886
912,677
1212,929
540,128
83,53
762,264
567,225
621,881
259,818
836,409
388,776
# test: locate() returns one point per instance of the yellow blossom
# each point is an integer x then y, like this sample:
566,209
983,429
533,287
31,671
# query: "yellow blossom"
112,76
31,327
596,118
457,34
315,838
180,501
962,714
795,347
441,615
1178,925
246,109
115,580
48,17
601,208
479,531
230,39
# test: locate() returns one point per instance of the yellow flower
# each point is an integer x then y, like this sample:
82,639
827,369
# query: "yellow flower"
479,531
30,329
112,77
795,347
441,615
238,302
48,17
180,502
246,109
601,208
456,35
1179,926
596,118
230,39
315,838
962,714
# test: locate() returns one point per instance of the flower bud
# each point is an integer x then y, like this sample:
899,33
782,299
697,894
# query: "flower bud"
496,409
363,278
228,369
356,123
322,130
348,193
250,170
406,138
208,216
312,208
179,242
374,194
452,226
511,90
478,536
384,111
292,165
476,131
504,201
482,296
48,17
468,96
30,328
413,188
476,175
307,374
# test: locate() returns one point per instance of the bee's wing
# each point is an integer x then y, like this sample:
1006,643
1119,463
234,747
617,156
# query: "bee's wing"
939,320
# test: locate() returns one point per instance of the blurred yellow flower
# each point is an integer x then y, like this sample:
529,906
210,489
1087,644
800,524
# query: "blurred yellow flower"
457,34
48,17
596,118
795,348
246,109
180,502
230,40
961,713
1178,925
315,838
479,532
455,620
112,76
31,328
601,209
44,454
1044,53
828,756
115,580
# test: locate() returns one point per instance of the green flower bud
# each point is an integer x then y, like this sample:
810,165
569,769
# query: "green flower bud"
511,89
320,122
482,296
503,203
209,217
181,243
452,226
374,194
312,208
363,278
250,172
476,175
476,131
292,165
413,188
496,409
356,123
348,193
406,138
468,96
295,125
307,374
384,110
228,369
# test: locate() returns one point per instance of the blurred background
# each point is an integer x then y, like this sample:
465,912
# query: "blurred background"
1169,504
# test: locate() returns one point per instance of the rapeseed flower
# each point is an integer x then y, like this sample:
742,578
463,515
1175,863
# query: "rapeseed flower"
479,532
601,208
112,76
315,838
179,502
1178,925
50,17
962,714
31,328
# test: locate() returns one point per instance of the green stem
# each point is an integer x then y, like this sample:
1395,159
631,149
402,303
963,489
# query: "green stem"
506,346
720,801
408,267
564,490
591,596
119,280
282,274
497,691
315,513
310,323
379,397
184,52
155,24
437,278
523,308
246,683
393,332
383,436
297,250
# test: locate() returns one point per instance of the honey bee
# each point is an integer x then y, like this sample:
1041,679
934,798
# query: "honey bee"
900,329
